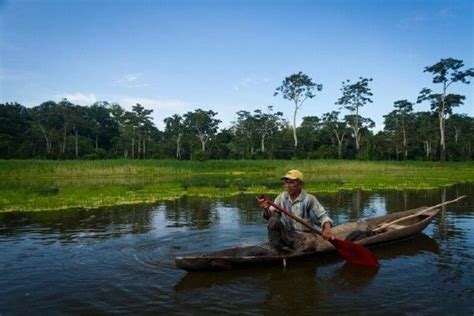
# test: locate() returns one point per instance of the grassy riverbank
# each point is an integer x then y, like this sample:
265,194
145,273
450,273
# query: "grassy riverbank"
44,185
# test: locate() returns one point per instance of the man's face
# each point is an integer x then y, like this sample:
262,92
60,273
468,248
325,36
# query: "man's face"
292,186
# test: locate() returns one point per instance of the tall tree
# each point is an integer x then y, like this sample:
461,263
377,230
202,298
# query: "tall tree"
79,124
267,124
309,132
425,125
66,111
297,88
175,128
461,128
404,109
46,120
143,125
221,145
396,122
445,72
459,123
337,127
121,117
355,96
364,124
203,124
384,143
103,126
245,130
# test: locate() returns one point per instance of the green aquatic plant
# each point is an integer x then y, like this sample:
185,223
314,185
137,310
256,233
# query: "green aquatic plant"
46,185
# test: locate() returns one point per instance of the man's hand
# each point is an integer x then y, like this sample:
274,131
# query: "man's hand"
266,213
327,232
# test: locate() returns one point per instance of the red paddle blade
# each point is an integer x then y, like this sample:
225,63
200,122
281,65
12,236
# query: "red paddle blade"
355,253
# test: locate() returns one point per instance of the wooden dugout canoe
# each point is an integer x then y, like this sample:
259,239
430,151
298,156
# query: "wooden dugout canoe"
405,224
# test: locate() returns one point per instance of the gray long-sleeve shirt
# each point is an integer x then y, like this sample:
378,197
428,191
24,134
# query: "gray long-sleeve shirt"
306,207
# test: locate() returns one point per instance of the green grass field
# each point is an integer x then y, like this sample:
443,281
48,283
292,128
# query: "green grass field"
27,185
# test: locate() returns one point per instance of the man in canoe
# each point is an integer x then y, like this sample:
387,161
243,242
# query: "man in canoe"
284,232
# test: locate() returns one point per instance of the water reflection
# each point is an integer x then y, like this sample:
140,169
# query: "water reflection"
193,212
67,225
121,260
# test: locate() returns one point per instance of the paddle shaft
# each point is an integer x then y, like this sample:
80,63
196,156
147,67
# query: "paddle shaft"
417,214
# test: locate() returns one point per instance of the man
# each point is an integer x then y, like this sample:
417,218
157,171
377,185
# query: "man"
285,232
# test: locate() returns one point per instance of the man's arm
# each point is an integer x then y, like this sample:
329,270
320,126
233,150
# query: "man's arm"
323,218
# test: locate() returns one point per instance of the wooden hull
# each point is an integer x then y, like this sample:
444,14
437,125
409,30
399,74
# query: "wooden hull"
242,257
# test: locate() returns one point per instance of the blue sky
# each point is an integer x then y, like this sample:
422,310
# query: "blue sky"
228,55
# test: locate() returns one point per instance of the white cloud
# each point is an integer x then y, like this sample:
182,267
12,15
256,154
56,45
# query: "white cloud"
162,108
132,80
150,103
78,98
250,82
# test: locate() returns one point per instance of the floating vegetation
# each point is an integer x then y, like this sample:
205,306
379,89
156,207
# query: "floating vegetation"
46,185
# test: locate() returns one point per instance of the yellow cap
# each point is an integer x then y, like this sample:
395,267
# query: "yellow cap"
293,175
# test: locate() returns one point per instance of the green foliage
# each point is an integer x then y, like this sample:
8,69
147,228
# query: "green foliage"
354,96
63,130
44,185
445,72
200,155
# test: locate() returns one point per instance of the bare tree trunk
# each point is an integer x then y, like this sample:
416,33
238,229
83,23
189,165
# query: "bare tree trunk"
340,139
63,147
442,141
96,142
144,147
357,139
405,142
356,131
133,148
262,143
294,125
427,146
139,146
457,133
178,146
75,143
48,141
202,138
203,143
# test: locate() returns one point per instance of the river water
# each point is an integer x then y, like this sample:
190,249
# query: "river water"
121,260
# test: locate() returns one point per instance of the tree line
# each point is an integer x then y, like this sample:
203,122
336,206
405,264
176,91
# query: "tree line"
63,130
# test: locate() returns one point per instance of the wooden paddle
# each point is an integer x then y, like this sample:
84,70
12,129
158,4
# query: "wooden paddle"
352,252
415,215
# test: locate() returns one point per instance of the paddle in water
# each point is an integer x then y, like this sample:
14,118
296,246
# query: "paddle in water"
352,252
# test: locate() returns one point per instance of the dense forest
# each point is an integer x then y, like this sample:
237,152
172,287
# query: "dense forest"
63,130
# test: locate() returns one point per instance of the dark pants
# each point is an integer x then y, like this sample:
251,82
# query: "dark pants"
280,236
